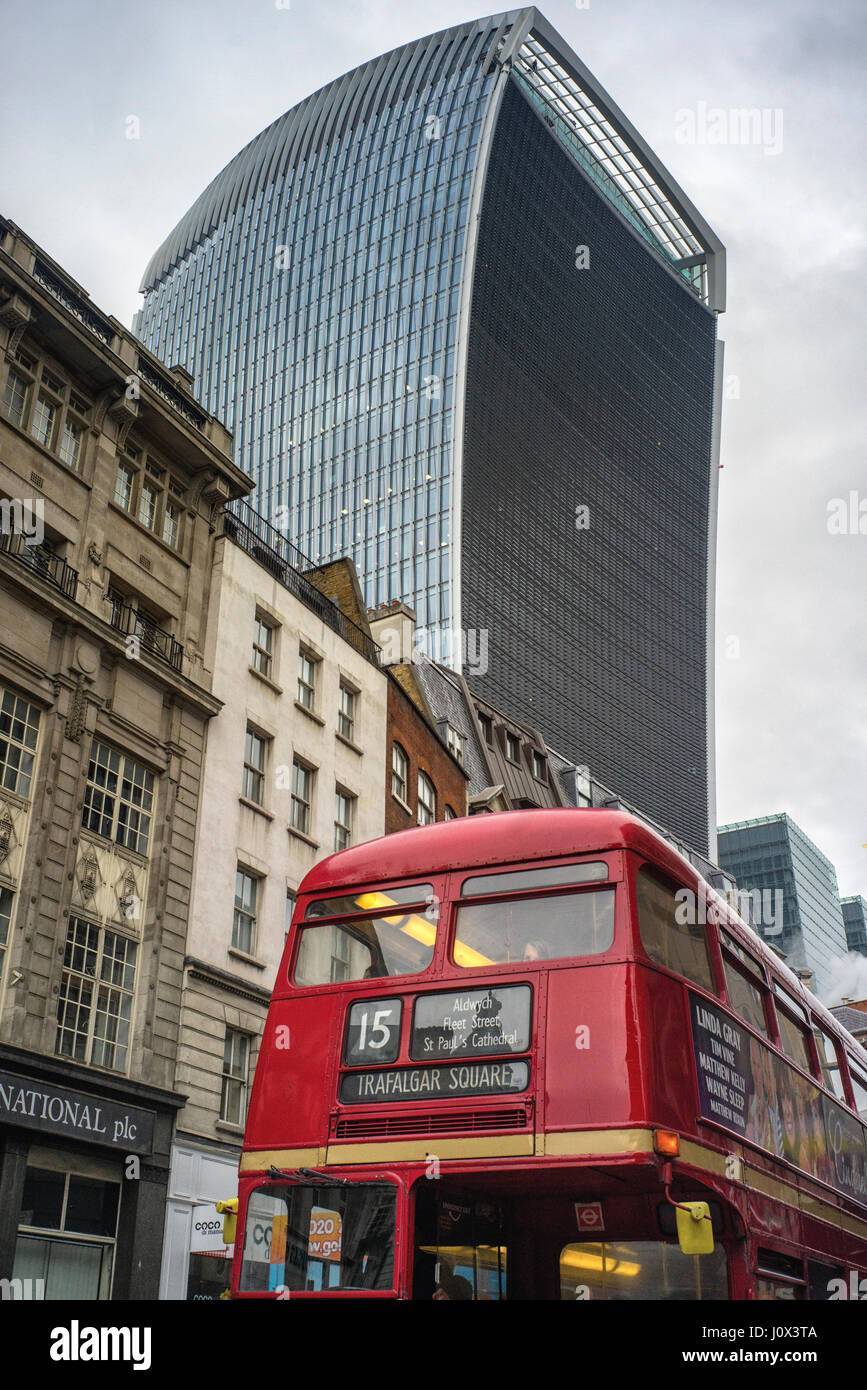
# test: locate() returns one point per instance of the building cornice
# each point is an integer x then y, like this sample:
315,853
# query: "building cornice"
222,979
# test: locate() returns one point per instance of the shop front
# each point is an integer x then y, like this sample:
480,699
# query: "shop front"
83,1175
196,1263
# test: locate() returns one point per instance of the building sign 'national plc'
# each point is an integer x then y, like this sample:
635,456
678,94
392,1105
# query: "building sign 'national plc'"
74,1114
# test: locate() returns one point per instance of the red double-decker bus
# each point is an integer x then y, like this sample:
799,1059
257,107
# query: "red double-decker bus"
502,1055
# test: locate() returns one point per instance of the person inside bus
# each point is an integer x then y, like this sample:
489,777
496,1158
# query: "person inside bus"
453,1287
537,950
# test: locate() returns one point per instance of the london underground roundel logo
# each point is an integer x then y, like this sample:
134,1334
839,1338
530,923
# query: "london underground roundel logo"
589,1216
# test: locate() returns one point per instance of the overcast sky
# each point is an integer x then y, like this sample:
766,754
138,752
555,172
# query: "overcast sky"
205,76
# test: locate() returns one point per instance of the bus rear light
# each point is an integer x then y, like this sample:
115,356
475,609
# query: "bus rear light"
666,1142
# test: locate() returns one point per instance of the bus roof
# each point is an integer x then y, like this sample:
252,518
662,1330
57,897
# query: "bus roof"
502,837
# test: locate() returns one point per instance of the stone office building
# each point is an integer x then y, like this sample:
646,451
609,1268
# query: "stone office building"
111,485
294,771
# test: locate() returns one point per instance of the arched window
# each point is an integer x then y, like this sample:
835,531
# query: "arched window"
427,800
399,772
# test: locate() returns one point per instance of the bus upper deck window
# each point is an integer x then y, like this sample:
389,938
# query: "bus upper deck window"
745,997
829,1062
531,929
522,880
367,947
794,1039
366,899
668,935
859,1088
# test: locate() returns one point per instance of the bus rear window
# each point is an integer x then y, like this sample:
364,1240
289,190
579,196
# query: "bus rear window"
530,929
306,1239
365,949
668,935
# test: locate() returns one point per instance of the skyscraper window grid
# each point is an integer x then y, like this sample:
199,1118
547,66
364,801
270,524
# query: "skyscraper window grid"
316,274
342,352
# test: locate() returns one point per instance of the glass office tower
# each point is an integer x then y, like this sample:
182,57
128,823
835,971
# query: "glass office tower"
855,922
771,853
463,325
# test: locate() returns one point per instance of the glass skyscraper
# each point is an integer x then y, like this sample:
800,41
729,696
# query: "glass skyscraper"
773,853
463,325
855,922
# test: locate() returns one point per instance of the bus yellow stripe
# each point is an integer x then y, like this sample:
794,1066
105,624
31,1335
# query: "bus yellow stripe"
577,1143
259,1159
407,1150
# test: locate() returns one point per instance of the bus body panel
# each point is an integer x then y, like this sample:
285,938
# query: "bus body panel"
612,1062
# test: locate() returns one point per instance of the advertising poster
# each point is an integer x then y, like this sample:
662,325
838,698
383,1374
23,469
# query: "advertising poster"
748,1089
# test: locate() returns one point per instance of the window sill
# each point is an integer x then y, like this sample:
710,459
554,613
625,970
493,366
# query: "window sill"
254,806
402,804
266,680
229,1128
305,839
248,960
105,842
310,714
349,744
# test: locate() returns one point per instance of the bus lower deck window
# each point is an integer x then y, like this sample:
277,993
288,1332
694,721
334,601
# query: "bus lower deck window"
312,1239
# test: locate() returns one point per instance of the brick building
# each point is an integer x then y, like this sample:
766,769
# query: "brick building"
425,779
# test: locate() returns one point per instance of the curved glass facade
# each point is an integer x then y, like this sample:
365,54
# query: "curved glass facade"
320,317
379,296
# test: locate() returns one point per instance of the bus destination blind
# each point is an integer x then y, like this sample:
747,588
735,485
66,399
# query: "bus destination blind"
434,1083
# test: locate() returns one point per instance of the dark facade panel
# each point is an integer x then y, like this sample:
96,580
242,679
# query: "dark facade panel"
588,387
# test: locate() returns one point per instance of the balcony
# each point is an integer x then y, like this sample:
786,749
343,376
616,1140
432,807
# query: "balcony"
155,640
284,561
42,560
164,386
75,302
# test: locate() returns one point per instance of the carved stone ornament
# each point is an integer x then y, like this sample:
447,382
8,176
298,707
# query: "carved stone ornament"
77,712
88,875
17,313
5,834
127,895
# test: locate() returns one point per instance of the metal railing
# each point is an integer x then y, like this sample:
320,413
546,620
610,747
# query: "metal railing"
163,385
276,554
153,639
80,307
42,560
